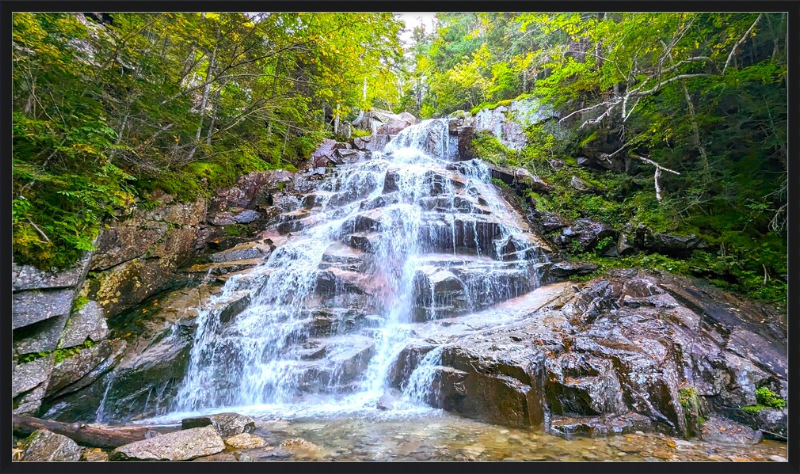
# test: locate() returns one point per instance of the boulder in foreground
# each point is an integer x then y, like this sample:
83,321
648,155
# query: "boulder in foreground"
181,445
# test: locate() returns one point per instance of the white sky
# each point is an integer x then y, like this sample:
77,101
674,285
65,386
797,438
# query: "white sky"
411,20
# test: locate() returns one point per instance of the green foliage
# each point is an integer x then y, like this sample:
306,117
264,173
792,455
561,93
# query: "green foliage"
104,113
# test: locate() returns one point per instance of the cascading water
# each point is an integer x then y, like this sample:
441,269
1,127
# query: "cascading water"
379,253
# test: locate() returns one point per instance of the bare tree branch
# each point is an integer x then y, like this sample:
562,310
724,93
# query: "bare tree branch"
738,43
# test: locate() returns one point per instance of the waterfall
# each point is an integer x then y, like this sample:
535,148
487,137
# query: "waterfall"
385,250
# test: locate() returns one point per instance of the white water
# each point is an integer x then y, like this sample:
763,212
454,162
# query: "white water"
430,226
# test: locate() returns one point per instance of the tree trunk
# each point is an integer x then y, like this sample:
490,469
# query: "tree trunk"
206,90
100,436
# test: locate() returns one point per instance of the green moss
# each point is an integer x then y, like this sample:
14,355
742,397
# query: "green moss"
79,303
766,397
25,358
61,354
489,148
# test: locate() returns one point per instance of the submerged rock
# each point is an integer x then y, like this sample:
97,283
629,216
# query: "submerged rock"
245,441
181,445
227,424
729,433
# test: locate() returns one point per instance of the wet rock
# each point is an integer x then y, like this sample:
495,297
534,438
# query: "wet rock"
94,455
181,445
227,424
771,422
593,427
551,221
219,457
44,445
520,177
324,154
372,142
728,433
625,244
149,375
394,126
244,441
80,399
669,244
28,277
88,322
466,150
232,306
223,268
30,307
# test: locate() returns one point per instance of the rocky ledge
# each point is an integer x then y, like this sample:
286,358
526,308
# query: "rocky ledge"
628,352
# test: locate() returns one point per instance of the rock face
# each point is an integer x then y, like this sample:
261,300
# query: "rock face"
181,445
29,384
44,445
619,353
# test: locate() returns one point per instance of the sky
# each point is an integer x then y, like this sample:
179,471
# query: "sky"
411,20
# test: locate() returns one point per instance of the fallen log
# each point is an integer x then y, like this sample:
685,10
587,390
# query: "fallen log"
94,435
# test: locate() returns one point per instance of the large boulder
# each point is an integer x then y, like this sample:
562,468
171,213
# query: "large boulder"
372,142
181,445
44,445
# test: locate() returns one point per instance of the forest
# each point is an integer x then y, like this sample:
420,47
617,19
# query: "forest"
109,107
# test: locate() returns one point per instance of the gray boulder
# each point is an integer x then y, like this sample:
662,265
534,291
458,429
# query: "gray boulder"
43,445
181,445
